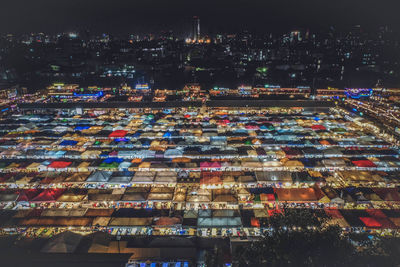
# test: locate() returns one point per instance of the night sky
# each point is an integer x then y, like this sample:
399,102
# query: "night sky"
132,16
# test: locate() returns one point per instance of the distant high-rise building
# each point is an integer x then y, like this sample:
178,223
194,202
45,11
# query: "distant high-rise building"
196,28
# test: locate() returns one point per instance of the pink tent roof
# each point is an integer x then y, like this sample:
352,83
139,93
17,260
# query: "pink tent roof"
252,127
205,164
113,153
215,164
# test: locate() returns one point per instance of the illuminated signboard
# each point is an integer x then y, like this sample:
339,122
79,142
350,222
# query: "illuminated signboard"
272,86
97,94
357,93
142,86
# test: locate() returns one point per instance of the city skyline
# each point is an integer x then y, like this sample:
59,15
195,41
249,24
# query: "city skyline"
221,16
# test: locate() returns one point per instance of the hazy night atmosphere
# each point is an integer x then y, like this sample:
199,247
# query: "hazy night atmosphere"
199,133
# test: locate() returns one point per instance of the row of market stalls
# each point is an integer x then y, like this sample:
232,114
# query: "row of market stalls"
303,143
182,127
189,197
205,178
207,223
385,163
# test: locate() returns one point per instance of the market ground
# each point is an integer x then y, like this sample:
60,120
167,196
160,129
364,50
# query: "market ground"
12,256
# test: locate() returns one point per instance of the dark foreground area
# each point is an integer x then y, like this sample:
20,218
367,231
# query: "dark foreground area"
13,255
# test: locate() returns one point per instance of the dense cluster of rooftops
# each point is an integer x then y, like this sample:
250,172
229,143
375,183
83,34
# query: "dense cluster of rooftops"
193,171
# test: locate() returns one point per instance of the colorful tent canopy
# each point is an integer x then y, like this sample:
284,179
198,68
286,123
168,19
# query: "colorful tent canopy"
49,195
363,163
59,164
118,133
68,143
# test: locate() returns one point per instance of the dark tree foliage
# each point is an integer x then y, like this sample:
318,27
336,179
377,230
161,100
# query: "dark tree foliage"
302,238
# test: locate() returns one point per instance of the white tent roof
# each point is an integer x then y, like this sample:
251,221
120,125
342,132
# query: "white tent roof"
99,176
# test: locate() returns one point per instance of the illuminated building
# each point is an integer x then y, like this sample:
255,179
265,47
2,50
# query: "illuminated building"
61,89
196,28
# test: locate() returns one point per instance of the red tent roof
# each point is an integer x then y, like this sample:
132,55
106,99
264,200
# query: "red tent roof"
118,133
274,212
363,163
28,194
267,197
59,164
318,127
255,222
376,213
333,213
49,195
370,222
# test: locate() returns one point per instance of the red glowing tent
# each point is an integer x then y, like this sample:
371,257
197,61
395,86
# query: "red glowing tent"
376,213
118,133
381,217
274,212
28,194
363,163
267,197
370,222
333,213
255,222
49,195
59,164
318,127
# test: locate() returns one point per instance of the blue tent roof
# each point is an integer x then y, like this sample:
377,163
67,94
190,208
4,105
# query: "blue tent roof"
136,135
121,140
104,154
68,143
111,160
80,128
